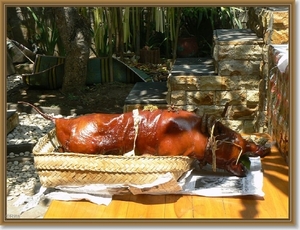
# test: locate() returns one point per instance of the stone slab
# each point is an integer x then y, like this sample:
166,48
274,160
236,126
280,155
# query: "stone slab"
148,93
236,36
19,148
193,66
238,52
238,67
197,70
270,23
12,120
279,16
196,83
194,61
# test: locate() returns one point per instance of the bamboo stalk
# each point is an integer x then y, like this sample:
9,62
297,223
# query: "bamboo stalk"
169,29
176,33
133,26
148,20
161,21
109,23
118,35
120,32
115,28
156,19
126,27
99,30
172,23
138,25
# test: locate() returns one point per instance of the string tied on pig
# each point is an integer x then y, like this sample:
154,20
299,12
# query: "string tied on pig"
136,123
213,143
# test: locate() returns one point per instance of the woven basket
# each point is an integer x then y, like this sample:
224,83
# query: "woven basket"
56,168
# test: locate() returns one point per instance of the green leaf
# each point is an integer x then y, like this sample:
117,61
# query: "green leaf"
244,159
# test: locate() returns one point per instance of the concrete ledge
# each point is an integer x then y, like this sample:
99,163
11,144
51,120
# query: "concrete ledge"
145,93
12,120
193,67
19,148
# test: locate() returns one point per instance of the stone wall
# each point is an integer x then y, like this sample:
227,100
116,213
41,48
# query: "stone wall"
241,73
209,95
234,82
272,25
237,55
278,97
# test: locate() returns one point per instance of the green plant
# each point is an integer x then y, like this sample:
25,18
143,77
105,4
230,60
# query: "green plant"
99,31
202,21
72,97
46,34
159,29
228,17
192,18
111,30
155,40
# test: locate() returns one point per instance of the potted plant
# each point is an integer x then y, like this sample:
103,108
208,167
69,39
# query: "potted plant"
150,53
191,21
187,44
197,25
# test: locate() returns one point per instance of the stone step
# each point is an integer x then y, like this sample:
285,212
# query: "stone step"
12,120
236,36
237,52
193,67
146,93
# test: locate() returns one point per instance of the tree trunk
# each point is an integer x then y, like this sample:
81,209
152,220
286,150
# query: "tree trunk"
76,38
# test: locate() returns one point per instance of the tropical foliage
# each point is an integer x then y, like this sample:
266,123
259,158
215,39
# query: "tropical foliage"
124,31
45,34
127,29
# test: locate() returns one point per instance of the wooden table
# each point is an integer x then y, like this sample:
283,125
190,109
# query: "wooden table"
274,205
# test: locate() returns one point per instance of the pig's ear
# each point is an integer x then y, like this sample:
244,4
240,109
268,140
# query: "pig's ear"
220,129
262,151
254,149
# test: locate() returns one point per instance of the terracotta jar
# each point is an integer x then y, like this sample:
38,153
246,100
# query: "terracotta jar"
150,56
187,47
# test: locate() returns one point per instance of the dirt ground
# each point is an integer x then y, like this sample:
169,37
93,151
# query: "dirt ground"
100,98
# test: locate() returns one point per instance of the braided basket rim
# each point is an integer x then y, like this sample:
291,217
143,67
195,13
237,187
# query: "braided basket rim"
137,168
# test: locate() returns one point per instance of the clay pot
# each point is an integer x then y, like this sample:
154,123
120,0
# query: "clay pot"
150,56
187,47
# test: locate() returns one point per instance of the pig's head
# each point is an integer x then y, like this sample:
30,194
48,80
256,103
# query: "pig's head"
232,150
